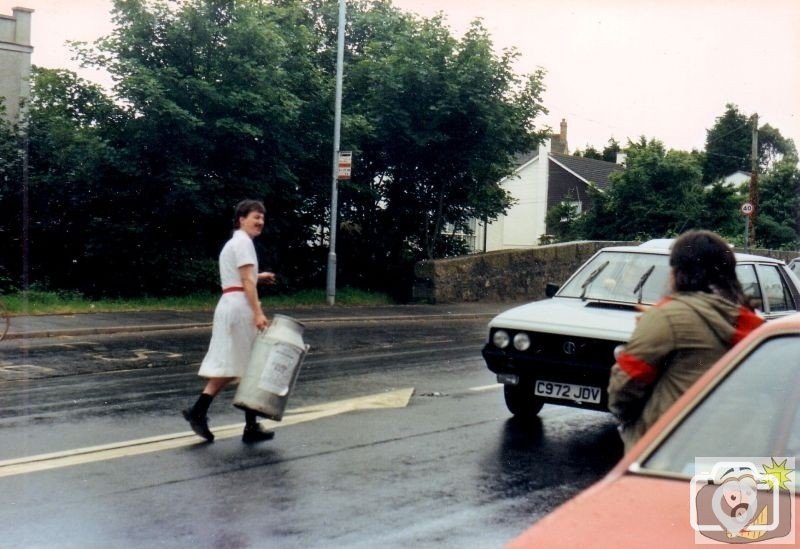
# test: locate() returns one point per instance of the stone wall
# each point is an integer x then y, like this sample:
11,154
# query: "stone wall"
513,275
505,275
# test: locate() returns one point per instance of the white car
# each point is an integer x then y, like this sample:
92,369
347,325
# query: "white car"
560,350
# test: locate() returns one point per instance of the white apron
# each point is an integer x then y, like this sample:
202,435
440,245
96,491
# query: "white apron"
232,336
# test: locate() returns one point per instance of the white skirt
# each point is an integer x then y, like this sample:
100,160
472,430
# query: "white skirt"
232,336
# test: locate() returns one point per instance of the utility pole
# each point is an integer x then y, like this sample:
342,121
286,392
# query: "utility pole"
331,282
753,200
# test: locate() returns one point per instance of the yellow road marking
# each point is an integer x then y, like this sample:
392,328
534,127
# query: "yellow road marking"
91,454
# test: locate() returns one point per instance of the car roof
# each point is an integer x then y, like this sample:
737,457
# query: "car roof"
663,246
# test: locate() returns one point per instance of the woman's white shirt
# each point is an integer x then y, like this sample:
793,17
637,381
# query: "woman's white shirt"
237,252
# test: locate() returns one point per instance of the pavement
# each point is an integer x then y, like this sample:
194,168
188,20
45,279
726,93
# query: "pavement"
39,326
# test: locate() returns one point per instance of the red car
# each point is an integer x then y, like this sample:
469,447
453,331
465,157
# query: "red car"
746,406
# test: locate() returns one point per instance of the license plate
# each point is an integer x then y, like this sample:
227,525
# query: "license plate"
567,391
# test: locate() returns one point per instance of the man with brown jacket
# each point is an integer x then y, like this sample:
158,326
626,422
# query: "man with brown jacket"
680,338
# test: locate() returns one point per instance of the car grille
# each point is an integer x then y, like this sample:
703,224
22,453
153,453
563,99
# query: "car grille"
564,347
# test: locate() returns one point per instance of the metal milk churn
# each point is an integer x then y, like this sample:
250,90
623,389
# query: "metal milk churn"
277,355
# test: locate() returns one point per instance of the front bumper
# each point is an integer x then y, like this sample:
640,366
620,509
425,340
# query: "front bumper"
589,368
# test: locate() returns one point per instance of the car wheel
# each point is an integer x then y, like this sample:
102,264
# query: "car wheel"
520,400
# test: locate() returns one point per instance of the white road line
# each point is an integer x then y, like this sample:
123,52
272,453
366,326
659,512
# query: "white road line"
491,387
43,462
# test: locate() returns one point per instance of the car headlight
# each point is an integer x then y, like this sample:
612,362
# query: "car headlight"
522,342
501,339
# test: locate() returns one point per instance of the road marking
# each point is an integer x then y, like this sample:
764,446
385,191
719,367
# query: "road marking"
44,462
491,387
139,355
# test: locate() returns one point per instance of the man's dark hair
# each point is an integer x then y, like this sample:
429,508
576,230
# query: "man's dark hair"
244,208
703,262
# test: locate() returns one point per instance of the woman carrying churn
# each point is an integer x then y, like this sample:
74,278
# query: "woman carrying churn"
681,337
237,319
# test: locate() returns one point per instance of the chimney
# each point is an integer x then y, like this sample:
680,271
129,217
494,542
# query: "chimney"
621,158
22,31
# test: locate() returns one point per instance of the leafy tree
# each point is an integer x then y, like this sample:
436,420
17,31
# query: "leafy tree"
562,222
10,202
720,211
658,194
611,150
779,216
438,122
608,154
589,152
224,101
729,145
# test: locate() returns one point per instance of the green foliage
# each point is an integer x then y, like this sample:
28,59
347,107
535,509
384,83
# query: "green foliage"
608,154
729,145
721,210
657,195
562,223
219,100
10,202
778,221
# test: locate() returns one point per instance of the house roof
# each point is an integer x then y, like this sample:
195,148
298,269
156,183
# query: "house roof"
520,159
592,171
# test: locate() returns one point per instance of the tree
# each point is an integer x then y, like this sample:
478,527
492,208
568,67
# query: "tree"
562,221
611,150
224,100
608,154
779,218
589,152
729,145
435,122
10,202
657,195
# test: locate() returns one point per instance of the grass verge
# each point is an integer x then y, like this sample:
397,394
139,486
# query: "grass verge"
38,302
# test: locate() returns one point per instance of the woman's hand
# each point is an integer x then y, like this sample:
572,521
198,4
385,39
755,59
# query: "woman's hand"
266,278
262,322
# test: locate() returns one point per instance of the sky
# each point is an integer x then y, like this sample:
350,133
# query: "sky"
664,69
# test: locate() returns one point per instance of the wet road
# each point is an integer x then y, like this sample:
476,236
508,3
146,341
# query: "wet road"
446,467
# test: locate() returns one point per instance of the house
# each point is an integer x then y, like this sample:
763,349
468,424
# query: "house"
543,179
737,179
15,60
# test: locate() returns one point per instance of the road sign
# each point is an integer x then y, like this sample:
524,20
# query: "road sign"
747,208
345,164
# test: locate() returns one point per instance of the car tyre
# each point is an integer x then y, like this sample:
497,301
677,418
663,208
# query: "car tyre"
521,402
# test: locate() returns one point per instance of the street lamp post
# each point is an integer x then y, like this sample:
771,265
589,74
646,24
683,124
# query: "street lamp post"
331,282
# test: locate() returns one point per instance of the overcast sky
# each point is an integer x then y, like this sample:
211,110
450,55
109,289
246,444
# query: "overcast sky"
623,68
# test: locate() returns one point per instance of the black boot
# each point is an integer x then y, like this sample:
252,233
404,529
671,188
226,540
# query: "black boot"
196,416
253,430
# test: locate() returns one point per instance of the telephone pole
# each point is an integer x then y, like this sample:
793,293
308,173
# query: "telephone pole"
754,180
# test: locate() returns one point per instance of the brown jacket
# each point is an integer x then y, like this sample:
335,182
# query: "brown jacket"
673,344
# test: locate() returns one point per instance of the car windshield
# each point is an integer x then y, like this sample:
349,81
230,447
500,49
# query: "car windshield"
622,277
753,412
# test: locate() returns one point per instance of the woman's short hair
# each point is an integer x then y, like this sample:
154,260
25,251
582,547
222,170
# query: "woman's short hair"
244,208
703,262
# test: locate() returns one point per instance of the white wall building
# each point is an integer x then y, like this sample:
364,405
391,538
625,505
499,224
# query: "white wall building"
15,60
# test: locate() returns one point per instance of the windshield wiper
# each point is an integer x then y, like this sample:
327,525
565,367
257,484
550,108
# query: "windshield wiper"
640,285
591,278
